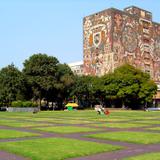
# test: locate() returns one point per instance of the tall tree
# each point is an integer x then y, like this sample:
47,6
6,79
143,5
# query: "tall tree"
48,78
83,90
12,84
65,78
129,85
40,70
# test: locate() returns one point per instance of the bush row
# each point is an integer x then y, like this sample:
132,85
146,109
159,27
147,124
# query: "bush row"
23,104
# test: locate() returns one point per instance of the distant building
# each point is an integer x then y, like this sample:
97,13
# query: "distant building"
113,37
76,67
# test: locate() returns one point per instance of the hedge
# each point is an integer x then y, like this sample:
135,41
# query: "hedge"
23,104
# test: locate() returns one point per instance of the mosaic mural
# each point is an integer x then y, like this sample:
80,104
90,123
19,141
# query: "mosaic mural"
113,37
97,43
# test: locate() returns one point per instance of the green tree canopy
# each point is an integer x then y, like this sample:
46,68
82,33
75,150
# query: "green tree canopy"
48,78
83,90
40,70
12,84
130,85
65,79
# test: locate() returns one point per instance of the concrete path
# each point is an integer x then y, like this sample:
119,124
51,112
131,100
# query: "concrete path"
9,156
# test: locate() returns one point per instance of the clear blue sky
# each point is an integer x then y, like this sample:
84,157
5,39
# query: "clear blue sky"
53,27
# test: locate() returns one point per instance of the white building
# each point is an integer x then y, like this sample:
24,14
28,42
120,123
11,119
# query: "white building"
76,67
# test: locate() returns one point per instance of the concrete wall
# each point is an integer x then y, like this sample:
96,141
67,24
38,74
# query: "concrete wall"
20,109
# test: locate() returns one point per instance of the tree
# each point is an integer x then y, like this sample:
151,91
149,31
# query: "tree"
12,84
48,78
40,70
65,79
130,86
109,87
148,89
83,90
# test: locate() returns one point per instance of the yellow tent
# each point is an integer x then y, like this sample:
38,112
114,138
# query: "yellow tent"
71,105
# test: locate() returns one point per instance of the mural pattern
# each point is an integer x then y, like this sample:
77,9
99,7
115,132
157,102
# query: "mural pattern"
97,44
113,37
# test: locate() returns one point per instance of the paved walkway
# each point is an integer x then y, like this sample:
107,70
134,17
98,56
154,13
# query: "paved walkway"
9,156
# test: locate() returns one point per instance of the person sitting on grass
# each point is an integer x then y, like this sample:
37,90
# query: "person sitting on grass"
99,109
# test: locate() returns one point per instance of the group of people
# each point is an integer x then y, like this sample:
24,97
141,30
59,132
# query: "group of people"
100,110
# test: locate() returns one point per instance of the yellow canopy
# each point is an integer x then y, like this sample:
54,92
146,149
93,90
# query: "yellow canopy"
72,104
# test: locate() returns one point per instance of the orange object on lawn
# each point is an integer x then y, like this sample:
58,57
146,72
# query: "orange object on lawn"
107,112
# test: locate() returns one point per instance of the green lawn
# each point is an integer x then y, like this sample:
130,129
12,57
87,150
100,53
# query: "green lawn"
108,119
77,122
59,148
65,121
148,156
6,133
149,121
120,125
133,137
66,129
55,148
87,115
154,128
46,120
12,123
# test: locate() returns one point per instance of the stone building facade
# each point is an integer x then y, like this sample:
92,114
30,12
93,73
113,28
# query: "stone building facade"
113,37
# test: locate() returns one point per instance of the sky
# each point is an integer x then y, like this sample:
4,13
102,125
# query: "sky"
53,27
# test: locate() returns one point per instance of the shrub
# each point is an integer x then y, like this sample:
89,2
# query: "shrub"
23,104
27,104
17,104
34,104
